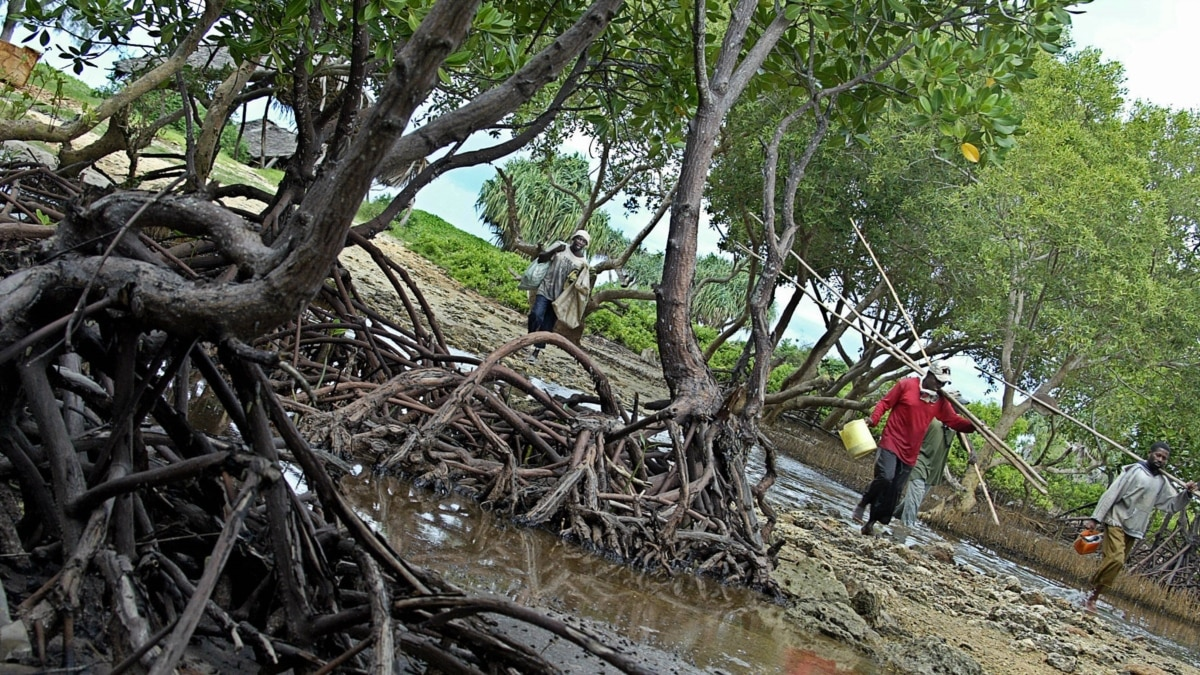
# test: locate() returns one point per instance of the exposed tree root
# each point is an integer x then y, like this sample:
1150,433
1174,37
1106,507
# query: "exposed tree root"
151,527
648,490
184,524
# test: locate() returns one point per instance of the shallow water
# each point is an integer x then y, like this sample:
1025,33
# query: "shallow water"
714,627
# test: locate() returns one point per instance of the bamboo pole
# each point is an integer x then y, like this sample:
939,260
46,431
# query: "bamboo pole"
986,495
863,327
987,433
891,289
1062,413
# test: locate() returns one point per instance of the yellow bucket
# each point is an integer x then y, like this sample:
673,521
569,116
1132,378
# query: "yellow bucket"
856,436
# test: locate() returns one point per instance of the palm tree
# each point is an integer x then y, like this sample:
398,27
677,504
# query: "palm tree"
720,292
530,203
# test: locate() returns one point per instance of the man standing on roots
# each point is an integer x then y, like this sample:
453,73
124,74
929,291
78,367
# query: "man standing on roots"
913,403
566,264
1125,509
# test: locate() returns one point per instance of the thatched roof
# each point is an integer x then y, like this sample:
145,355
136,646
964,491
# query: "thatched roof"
277,143
206,57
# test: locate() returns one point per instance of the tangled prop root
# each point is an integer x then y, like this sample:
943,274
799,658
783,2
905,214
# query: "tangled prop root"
162,505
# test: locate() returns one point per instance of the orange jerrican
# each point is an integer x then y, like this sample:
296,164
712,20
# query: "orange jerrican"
1088,541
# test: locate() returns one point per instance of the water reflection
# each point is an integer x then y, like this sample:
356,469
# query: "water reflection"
714,627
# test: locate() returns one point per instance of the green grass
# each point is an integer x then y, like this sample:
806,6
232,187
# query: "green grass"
471,261
65,85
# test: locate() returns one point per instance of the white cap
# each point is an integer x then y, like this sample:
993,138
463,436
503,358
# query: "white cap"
940,371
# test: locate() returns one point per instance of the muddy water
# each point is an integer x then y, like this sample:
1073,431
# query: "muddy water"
715,628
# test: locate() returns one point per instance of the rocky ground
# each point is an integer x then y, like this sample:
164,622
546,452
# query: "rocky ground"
912,610
918,611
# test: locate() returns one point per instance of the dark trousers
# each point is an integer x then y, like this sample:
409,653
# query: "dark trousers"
541,316
882,494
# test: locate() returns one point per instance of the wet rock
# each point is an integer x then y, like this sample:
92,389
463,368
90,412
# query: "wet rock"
809,580
1142,669
1061,662
933,656
836,620
941,552
1033,598
867,603
821,602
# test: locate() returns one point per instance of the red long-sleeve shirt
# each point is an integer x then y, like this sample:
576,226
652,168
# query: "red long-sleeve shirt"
906,426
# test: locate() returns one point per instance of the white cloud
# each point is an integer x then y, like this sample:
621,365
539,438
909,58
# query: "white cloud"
1153,39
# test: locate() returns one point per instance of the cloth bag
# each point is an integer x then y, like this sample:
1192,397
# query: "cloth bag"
532,278
571,303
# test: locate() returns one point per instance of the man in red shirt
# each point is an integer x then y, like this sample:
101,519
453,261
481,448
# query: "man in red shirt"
913,402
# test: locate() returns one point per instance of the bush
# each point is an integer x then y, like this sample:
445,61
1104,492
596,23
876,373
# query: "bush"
471,261
632,327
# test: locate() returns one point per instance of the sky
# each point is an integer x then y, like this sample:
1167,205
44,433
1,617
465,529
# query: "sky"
1154,39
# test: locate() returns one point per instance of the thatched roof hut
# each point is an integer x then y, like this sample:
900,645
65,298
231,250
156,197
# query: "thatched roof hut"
268,142
209,58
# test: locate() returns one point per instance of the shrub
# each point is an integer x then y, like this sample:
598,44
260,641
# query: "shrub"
471,261
631,324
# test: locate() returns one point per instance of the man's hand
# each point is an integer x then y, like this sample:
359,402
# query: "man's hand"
1090,524
545,256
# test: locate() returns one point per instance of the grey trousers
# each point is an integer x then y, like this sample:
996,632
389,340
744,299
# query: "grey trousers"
913,496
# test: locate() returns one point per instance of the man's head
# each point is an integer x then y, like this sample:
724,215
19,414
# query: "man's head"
936,376
1159,453
580,241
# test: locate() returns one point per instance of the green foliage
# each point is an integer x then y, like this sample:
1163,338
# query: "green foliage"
717,304
631,324
787,358
1069,494
725,359
65,86
229,144
62,88
371,208
546,198
1007,484
468,259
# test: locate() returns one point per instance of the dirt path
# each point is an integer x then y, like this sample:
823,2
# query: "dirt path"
913,610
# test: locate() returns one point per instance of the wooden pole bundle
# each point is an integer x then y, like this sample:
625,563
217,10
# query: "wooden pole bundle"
1019,462
1067,416
864,328
966,443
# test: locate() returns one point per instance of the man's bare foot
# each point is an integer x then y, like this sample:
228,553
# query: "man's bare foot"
857,515
1090,604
